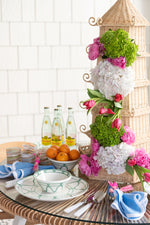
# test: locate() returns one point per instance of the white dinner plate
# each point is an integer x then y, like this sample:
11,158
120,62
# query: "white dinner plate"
28,187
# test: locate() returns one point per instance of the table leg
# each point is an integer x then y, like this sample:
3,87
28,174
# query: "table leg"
19,221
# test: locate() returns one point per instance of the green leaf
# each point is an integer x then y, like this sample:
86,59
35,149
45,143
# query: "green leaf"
144,170
129,169
139,175
94,93
118,105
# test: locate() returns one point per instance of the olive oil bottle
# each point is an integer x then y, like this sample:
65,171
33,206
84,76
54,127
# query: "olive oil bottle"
60,115
46,128
56,129
70,128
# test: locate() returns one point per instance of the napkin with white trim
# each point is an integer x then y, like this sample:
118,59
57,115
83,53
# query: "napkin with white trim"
132,206
19,169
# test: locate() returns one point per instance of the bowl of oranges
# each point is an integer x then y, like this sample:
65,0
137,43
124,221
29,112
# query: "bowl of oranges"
63,157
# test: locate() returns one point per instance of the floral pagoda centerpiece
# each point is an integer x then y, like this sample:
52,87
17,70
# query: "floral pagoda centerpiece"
119,131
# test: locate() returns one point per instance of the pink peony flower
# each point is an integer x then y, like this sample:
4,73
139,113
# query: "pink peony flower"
129,136
116,124
142,158
95,145
89,104
118,97
93,51
147,177
131,162
120,62
97,40
83,165
103,111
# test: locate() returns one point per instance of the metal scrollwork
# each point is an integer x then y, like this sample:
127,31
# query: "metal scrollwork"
81,105
92,22
99,21
87,77
87,49
82,128
133,21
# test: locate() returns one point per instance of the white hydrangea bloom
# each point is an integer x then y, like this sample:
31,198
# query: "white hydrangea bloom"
113,158
111,80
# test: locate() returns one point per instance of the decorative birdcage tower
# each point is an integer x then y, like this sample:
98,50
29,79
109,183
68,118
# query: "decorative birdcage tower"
136,109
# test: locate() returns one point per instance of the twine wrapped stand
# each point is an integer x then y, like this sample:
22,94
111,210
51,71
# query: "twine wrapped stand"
136,109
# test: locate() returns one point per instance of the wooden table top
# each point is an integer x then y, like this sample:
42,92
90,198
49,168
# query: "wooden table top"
53,212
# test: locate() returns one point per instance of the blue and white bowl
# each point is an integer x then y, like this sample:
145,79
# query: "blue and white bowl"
64,165
53,180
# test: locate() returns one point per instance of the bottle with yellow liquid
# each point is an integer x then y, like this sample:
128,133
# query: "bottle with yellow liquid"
56,129
71,128
60,115
46,128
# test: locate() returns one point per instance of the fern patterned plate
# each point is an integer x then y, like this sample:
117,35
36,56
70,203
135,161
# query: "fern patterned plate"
28,187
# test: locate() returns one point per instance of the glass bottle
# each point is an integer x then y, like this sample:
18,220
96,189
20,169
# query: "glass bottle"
60,115
56,129
46,128
70,128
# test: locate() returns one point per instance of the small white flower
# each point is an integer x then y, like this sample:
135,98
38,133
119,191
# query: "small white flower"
113,158
111,80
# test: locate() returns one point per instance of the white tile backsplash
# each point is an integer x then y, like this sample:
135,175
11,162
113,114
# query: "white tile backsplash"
28,58
3,82
11,10
8,104
28,10
4,34
28,103
19,34
62,11
8,58
44,10
17,81
37,34
23,125
42,61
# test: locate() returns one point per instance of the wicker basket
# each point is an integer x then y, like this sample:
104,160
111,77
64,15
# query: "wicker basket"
135,113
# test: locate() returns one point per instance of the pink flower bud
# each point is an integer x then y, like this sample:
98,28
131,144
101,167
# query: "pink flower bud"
117,124
102,110
109,111
89,104
118,97
147,177
131,162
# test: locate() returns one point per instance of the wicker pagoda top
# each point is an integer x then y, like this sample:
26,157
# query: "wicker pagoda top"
123,13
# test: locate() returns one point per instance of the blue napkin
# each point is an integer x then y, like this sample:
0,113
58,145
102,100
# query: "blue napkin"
132,206
19,169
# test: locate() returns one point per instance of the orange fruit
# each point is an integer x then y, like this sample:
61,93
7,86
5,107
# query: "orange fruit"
55,146
64,148
62,156
51,152
74,154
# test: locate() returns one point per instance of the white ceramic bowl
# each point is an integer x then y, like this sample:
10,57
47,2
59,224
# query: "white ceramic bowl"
52,180
64,165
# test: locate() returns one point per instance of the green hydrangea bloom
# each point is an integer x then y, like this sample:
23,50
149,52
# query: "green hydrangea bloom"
117,43
104,133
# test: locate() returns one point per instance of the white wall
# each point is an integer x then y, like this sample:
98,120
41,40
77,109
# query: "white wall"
42,60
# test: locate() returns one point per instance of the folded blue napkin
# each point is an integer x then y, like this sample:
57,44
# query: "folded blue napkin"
132,206
19,169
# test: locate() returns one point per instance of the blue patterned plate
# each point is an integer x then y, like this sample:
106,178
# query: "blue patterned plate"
28,187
